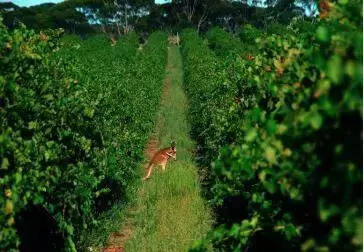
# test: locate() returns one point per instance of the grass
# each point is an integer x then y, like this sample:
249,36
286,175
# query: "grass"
97,237
170,213
93,239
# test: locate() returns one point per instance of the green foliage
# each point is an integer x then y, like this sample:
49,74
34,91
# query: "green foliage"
248,34
222,43
208,90
276,28
283,129
74,122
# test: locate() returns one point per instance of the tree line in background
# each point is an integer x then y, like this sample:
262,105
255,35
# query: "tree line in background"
121,16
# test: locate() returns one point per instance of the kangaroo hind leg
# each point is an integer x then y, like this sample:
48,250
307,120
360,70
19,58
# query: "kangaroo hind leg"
150,167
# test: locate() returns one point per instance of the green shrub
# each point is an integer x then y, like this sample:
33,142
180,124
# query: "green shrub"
248,33
222,43
73,126
276,28
47,154
209,93
288,173
125,97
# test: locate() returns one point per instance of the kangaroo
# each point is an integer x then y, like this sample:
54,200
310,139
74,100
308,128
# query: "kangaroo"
161,158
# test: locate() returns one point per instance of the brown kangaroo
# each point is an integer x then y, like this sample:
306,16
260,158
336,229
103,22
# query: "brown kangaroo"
161,158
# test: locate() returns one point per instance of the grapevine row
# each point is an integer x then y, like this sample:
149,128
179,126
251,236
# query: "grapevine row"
74,122
279,129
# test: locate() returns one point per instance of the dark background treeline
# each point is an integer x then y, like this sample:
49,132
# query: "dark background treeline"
121,16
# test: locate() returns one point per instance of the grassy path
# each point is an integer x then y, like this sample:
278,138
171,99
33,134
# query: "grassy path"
170,214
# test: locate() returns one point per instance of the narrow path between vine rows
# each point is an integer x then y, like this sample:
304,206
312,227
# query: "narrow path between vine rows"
170,213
